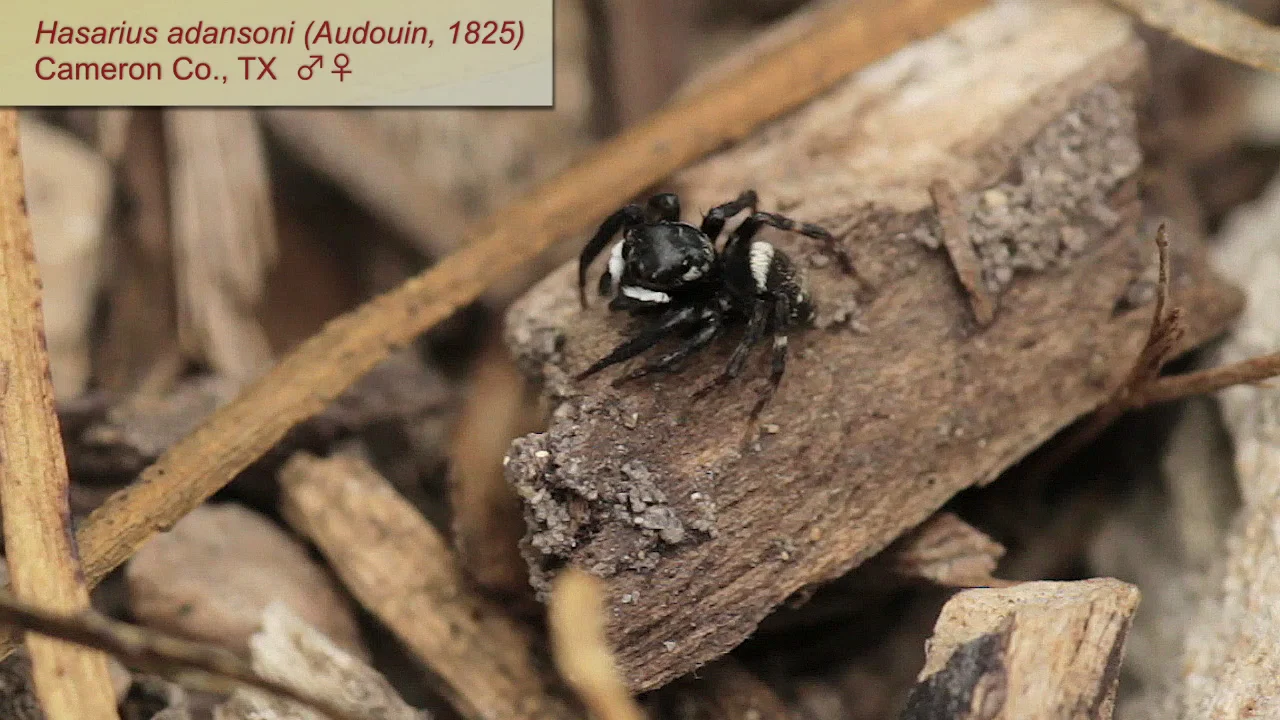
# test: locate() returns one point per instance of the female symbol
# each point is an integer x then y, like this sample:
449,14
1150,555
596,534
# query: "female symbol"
341,60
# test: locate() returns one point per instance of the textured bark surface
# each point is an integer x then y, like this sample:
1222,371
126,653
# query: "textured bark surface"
702,524
1037,650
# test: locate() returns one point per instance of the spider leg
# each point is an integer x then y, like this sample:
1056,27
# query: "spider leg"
738,360
625,217
757,220
709,331
713,221
781,319
646,339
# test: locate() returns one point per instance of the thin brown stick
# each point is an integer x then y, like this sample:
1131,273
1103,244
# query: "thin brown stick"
71,683
1166,330
1203,382
1214,27
576,617
1144,387
305,381
964,258
215,668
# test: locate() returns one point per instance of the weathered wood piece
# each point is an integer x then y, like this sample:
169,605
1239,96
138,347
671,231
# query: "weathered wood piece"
287,649
897,400
404,572
1046,650
948,551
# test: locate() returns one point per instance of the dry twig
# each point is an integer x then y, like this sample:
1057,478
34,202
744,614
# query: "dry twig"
1165,333
209,667
375,541
576,617
72,683
964,258
1144,387
306,380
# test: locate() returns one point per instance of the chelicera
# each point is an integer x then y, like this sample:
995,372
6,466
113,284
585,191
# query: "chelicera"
673,274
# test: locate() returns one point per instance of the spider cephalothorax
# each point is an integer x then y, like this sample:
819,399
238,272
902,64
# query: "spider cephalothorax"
673,272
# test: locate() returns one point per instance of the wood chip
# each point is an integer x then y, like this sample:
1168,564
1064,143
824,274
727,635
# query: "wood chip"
404,572
1037,650
224,236
948,551
288,650
704,534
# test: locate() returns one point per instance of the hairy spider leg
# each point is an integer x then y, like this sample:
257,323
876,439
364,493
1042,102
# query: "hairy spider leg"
713,222
650,336
781,319
711,328
623,218
757,220
738,360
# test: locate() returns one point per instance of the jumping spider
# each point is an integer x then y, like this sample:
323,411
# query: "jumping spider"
672,272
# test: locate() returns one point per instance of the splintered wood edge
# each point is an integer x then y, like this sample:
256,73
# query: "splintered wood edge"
1038,649
695,600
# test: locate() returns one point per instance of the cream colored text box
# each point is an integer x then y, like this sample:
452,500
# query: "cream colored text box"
277,53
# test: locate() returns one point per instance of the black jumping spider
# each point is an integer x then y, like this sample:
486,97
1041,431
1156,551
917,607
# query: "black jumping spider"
672,271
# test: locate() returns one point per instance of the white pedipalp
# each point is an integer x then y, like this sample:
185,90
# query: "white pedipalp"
760,260
616,263
645,295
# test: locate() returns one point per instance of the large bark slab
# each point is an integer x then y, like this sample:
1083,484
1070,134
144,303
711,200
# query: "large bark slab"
898,399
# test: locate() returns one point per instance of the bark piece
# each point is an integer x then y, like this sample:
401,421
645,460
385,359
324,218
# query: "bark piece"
197,580
403,571
1040,649
487,516
722,690
139,343
113,438
948,551
287,649
701,535
224,236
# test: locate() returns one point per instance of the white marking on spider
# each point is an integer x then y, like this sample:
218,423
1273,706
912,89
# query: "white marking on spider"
692,273
760,259
645,295
616,263
780,341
